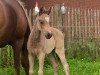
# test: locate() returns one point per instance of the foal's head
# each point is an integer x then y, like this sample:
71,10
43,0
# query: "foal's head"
42,23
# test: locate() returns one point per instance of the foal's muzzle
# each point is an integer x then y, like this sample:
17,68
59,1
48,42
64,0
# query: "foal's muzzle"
48,35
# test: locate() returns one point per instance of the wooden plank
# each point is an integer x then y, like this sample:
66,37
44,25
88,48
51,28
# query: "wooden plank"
79,23
98,31
92,23
69,35
82,24
98,22
95,25
76,22
72,23
66,25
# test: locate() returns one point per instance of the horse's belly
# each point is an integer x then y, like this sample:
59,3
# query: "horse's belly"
49,45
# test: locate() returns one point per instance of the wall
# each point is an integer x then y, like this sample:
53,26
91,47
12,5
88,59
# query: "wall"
94,4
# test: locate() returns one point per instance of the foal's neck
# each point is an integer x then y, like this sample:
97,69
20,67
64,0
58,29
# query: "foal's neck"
37,36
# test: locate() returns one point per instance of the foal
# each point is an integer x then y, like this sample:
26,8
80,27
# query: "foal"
43,39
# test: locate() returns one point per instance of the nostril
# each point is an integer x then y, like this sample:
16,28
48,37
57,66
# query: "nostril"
49,35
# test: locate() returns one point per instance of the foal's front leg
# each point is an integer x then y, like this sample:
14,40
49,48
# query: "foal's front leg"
41,63
31,64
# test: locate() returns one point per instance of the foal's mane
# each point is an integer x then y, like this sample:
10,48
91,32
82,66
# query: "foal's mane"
36,34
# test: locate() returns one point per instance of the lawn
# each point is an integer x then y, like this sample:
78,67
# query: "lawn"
77,67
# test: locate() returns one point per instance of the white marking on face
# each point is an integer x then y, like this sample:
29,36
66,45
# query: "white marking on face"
47,19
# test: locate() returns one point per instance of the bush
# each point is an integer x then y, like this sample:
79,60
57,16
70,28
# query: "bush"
89,49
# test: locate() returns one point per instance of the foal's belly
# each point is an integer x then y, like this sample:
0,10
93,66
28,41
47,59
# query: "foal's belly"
49,45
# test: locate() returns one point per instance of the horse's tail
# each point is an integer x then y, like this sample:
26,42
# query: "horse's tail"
26,14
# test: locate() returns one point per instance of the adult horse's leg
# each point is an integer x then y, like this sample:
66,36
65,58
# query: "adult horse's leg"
24,53
17,50
54,63
61,54
24,59
41,62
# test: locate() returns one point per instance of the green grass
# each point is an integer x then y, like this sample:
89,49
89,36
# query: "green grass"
77,67
84,67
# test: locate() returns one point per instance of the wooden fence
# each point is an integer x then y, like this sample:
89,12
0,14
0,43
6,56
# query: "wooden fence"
82,23
77,22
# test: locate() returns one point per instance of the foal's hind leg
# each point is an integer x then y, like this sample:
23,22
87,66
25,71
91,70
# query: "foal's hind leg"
54,63
41,63
61,55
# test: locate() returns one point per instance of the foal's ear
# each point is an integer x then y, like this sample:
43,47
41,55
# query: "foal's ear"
49,10
42,10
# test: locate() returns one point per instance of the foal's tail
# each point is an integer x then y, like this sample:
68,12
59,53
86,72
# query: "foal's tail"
26,14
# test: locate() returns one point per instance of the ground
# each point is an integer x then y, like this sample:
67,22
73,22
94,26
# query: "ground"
77,67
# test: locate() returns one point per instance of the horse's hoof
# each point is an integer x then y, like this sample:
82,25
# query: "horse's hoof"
31,74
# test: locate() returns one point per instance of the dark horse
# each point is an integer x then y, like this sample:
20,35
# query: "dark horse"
14,31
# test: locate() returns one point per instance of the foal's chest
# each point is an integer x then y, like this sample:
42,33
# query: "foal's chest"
49,45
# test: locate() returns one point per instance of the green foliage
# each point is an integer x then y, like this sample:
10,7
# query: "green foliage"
89,49
6,56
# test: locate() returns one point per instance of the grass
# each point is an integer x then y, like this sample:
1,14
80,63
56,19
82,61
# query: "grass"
84,67
77,67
